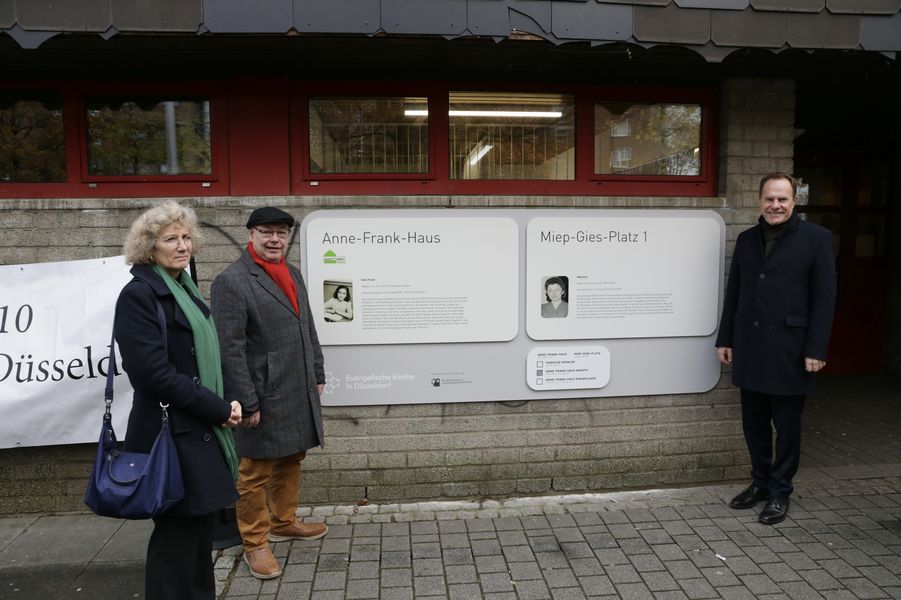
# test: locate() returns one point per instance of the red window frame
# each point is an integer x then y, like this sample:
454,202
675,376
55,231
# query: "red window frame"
438,181
81,184
301,114
660,96
296,159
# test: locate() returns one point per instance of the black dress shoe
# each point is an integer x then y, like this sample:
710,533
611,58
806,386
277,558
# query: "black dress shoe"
749,497
775,511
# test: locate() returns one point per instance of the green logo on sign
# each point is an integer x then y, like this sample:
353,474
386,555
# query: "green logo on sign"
330,258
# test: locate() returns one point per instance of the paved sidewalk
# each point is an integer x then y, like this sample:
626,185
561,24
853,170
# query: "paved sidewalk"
841,540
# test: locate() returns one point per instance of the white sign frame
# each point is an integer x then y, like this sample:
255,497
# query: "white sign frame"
668,362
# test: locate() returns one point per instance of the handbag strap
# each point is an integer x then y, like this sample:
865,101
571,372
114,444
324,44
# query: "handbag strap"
111,368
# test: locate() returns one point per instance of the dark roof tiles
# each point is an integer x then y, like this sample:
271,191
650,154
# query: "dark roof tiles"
789,5
870,7
717,4
157,16
573,20
672,25
881,34
748,28
712,28
85,15
823,30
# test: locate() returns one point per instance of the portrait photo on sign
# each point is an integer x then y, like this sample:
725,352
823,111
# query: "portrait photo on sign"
338,301
555,296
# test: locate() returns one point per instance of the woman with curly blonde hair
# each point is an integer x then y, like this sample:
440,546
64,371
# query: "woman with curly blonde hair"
176,362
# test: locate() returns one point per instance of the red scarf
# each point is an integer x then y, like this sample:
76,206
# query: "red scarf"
280,275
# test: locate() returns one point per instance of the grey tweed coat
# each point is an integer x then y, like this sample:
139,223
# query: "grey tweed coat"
271,359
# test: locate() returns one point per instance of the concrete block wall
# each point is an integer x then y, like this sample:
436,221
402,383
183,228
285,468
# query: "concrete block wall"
466,450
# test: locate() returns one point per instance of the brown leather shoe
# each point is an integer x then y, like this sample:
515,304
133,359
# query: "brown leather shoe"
262,564
299,531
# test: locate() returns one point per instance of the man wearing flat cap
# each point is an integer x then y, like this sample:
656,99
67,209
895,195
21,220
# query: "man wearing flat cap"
272,359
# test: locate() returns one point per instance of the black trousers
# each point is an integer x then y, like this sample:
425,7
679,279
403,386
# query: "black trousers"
179,559
760,415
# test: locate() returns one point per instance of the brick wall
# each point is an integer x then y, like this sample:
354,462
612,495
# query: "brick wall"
465,450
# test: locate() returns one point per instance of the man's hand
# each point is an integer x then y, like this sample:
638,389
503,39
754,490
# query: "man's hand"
235,417
320,387
812,365
725,355
250,421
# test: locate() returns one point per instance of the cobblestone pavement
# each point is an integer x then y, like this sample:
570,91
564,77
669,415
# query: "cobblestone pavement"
842,540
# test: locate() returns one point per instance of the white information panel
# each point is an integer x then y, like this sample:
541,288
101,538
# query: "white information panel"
568,368
621,277
413,280
469,305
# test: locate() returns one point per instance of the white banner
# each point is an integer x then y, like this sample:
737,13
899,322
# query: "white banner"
55,325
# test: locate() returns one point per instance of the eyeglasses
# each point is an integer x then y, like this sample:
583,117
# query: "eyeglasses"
267,234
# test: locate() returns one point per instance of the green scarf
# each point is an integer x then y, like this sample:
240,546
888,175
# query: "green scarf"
206,343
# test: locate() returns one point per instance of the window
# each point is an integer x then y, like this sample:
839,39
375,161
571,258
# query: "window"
32,144
511,136
620,128
353,138
620,158
368,135
663,139
148,136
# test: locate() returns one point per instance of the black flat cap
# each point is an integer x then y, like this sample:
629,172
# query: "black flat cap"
267,215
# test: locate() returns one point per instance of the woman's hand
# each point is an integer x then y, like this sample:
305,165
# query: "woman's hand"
235,417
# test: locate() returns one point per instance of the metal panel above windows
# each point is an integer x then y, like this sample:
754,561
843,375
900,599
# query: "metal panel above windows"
337,16
581,21
7,14
823,31
869,7
240,16
880,34
159,15
85,15
813,6
442,17
671,24
750,28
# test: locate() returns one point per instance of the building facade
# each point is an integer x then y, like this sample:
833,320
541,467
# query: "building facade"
108,107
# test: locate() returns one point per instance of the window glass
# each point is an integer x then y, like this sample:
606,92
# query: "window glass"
32,148
647,139
148,136
511,136
369,135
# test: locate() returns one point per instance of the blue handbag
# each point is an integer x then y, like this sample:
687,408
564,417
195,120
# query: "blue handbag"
134,485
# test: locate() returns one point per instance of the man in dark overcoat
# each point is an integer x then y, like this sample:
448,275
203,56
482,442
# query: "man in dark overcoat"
273,366
774,331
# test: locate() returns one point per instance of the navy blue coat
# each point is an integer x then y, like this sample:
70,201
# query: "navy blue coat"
171,375
778,309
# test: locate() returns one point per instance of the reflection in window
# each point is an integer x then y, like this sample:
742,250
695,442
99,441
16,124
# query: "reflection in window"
148,137
663,139
621,158
620,128
32,149
511,136
369,135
